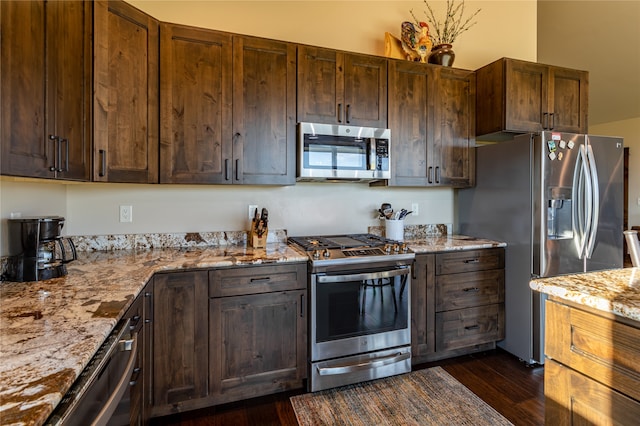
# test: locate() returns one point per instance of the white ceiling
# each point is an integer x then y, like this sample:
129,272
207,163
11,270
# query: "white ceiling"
602,37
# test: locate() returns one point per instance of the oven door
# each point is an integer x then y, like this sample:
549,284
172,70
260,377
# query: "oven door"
358,312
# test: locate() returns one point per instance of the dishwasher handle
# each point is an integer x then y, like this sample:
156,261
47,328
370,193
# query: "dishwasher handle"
123,382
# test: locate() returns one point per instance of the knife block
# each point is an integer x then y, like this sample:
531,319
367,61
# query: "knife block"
258,234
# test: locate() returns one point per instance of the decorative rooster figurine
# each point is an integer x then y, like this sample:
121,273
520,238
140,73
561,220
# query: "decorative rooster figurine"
416,43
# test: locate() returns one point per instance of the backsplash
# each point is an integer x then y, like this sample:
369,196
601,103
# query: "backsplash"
91,243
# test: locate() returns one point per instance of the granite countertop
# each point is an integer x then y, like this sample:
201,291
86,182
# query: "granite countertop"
51,329
616,291
450,243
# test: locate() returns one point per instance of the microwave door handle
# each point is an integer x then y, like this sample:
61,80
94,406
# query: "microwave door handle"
362,277
371,147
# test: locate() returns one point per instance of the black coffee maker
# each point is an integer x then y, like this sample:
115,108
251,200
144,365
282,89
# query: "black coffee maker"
36,249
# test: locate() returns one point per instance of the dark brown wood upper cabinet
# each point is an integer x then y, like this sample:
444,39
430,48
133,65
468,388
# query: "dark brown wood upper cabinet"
341,88
228,108
517,97
195,111
431,117
125,94
264,111
46,89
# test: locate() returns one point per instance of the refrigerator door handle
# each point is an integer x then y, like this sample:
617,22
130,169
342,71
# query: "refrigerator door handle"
580,223
595,201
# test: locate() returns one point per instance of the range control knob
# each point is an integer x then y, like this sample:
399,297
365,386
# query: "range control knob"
396,248
387,248
316,254
404,248
327,253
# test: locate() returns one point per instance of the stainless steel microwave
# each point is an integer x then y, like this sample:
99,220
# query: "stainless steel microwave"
332,152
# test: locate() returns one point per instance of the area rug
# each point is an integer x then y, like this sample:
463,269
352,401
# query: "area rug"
424,397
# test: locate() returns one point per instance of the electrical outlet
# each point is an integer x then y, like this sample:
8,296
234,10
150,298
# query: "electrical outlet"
252,211
415,209
126,214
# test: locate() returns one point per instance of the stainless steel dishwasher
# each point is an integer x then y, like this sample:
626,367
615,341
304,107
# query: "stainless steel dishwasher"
100,395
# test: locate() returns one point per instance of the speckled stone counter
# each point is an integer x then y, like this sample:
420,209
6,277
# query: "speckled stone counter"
51,329
614,291
434,244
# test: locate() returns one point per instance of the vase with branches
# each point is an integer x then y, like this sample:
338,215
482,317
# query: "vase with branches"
454,24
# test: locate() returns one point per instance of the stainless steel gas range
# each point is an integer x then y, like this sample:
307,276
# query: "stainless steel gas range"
360,300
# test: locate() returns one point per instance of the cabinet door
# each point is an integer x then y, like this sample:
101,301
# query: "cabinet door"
341,88
196,90
320,85
569,100
423,307
46,89
126,94
365,90
526,96
411,121
264,107
574,399
258,344
454,128
180,343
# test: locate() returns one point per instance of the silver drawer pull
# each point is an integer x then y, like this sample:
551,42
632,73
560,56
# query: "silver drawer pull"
472,327
472,261
471,289
379,362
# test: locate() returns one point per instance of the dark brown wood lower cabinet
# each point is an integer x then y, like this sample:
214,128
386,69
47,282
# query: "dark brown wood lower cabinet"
457,303
257,344
227,334
180,343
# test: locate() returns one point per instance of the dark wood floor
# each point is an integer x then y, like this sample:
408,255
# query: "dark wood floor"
500,379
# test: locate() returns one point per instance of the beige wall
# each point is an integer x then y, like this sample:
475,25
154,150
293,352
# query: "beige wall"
630,131
357,26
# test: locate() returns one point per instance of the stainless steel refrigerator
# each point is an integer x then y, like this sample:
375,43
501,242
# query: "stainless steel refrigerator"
556,199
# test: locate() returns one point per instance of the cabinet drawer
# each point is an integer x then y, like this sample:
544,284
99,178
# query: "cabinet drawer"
469,261
457,291
257,279
598,347
570,395
468,327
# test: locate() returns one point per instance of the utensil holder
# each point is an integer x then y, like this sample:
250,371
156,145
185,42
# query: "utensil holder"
394,229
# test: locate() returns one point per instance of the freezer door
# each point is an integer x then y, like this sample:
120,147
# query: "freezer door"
607,242
557,235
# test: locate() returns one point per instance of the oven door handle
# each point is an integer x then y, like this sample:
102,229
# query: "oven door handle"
401,270
350,368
